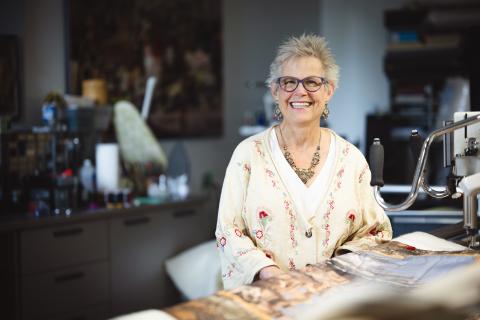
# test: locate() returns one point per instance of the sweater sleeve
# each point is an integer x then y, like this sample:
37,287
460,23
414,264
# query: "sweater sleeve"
240,258
375,225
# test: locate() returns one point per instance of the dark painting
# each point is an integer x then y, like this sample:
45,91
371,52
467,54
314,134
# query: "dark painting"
177,41
9,76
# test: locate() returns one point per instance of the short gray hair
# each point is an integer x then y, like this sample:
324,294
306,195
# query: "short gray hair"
305,46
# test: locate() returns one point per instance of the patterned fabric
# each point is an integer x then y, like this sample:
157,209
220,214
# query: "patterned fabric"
259,225
315,290
265,299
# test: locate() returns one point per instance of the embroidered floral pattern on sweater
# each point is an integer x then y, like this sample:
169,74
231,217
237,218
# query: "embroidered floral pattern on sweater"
258,147
262,215
287,204
271,176
242,252
229,271
227,234
362,174
269,173
377,230
291,264
261,233
293,221
337,185
351,216
339,178
221,242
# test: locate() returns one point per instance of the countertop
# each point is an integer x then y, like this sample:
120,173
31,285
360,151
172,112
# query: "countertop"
26,221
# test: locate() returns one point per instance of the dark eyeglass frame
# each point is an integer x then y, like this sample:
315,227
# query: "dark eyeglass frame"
323,82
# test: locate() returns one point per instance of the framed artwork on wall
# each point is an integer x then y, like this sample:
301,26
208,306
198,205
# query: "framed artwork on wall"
10,77
179,42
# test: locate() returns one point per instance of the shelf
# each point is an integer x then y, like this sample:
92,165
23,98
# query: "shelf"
246,131
425,64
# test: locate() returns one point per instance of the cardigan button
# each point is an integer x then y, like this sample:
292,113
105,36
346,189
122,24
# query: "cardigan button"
308,233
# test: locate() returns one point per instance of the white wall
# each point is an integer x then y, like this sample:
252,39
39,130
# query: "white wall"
355,31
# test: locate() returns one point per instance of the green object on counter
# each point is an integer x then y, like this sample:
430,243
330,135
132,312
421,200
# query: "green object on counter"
142,201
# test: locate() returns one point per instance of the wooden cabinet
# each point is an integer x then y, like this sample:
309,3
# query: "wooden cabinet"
139,247
64,268
137,263
69,290
100,265
68,245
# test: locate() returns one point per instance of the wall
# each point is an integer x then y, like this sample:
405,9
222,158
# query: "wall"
355,31
44,53
252,31
11,17
40,27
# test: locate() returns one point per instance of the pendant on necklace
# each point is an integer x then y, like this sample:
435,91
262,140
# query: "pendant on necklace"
304,174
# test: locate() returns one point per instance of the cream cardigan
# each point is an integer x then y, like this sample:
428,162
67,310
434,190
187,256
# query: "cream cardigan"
258,224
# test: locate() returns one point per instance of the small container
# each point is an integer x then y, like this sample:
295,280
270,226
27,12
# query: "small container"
49,113
87,176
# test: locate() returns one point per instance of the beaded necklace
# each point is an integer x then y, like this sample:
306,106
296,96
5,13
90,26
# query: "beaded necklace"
303,174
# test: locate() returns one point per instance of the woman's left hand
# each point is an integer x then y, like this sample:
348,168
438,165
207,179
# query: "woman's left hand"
269,272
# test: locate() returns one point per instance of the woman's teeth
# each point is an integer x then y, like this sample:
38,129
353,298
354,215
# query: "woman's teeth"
300,105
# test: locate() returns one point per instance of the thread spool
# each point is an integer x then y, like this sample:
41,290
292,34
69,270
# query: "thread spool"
108,166
95,89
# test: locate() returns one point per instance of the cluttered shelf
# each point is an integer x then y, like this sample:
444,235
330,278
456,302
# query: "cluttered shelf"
432,71
69,163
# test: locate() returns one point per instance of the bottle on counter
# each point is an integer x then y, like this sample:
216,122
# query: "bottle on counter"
87,179
178,172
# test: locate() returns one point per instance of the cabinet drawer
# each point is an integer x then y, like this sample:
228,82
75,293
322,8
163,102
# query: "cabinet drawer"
94,313
53,293
186,227
67,245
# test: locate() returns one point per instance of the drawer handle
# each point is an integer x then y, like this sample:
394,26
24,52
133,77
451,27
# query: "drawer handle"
136,221
69,277
184,213
67,232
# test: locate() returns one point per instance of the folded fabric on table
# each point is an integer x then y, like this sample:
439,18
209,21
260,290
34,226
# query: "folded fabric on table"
426,241
406,271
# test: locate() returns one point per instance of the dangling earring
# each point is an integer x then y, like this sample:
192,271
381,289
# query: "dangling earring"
326,112
278,114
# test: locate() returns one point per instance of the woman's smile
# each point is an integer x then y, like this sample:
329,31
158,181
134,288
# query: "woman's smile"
300,104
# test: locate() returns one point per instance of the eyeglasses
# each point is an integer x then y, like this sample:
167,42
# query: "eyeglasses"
311,84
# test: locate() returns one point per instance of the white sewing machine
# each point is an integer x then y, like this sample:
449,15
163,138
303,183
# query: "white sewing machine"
461,154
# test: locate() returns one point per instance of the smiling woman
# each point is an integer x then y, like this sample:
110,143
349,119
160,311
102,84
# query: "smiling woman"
302,105
296,193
